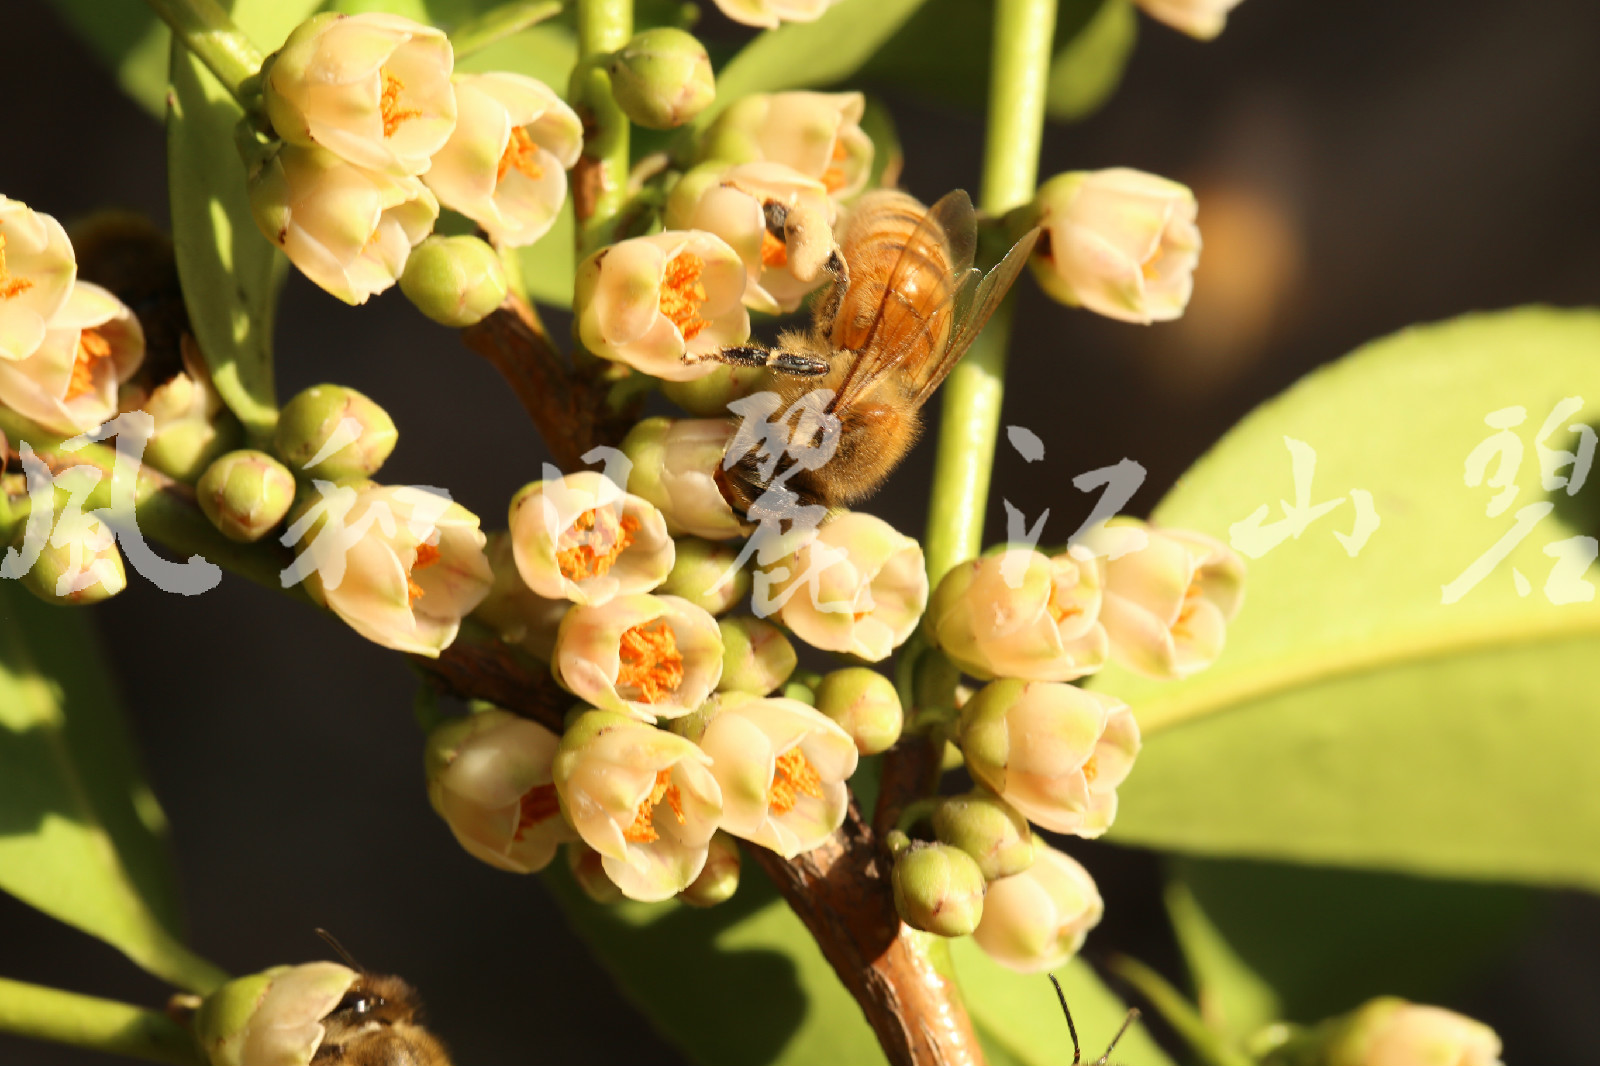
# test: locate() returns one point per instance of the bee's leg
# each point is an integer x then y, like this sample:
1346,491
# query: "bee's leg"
827,308
780,359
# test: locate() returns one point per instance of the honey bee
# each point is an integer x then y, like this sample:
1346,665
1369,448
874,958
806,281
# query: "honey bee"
904,306
1077,1054
376,1024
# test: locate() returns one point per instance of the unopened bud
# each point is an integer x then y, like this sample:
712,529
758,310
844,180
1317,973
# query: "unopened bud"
356,433
517,614
865,704
1036,920
756,656
662,78
675,463
588,869
987,828
938,889
78,565
709,397
274,1016
455,281
1392,1032
703,573
245,494
719,879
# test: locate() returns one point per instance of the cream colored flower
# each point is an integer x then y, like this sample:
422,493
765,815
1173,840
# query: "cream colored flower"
855,586
349,230
490,779
769,13
660,303
781,766
273,1018
1167,605
505,166
402,566
648,656
69,383
37,269
1198,18
1020,614
583,539
731,202
817,134
1038,919
641,797
1120,242
1392,1032
675,464
1054,752
373,89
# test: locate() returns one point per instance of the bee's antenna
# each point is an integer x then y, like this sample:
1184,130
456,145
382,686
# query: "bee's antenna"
1077,1054
333,943
1133,1016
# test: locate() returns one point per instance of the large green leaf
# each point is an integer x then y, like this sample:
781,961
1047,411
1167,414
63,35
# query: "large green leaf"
81,836
1354,717
129,39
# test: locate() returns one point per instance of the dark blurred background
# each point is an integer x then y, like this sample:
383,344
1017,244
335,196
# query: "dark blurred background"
1361,166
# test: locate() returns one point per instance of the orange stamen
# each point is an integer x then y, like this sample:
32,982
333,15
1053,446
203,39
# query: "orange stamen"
427,555
522,153
651,663
1191,602
1148,268
833,178
538,804
10,286
92,349
774,253
1090,771
791,778
1061,613
643,829
682,294
389,105
592,543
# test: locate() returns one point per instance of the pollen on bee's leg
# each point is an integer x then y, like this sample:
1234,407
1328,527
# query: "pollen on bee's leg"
683,293
643,829
792,777
538,804
389,104
651,664
92,349
427,555
593,542
521,154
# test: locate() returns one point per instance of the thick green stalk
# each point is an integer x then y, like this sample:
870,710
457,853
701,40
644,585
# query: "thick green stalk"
207,31
98,1024
1019,72
600,180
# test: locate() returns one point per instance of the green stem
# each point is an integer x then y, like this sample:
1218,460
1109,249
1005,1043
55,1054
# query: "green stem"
102,1025
207,31
601,177
970,424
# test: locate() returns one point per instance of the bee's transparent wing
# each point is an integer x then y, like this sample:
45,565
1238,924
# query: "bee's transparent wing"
974,303
907,310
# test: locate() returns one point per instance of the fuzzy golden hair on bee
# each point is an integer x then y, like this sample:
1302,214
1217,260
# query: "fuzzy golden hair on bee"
378,1022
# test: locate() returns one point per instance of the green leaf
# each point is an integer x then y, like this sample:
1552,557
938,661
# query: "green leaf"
130,40
499,23
1088,67
1019,1021
547,264
1354,718
1267,941
81,836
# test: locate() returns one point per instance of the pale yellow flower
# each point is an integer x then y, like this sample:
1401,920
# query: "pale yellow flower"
817,134
1038,919
1203,19
675,465
647,656
769,13
37,269
583,539
69,383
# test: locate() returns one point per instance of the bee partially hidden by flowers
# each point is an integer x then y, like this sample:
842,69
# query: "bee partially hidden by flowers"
904,306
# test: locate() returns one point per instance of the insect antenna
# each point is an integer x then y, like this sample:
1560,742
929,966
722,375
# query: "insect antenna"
349,959
1077,1053
1133,1016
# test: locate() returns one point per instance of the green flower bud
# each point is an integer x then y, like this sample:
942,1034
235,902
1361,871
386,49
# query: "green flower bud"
987,828
274,1016
938,889
309,421
719,878
662,78
802,686
455,281
697,575
865,704
79,565
709,397
756,656
245,494
587,866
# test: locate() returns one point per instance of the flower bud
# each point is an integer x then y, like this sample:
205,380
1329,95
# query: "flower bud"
245,494
80,564
69,383
192,426
455,281
769,13
346,434
505,166
675,464
645,656
719,879
938,889
643,798
1036,920
588,869
37,271
490,779
865,705
662,78
517,614
660,303
1392,1032
1202,19
855,586
272,1017
1055,752
1019,614
781,768
583,539
347,229
709,397
1168,604
373,89
817,134
1120,242
984,826
756,656
704,574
